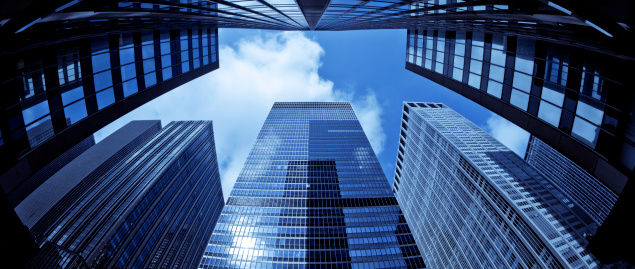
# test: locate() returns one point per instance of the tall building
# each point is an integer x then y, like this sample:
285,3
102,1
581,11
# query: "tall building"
473,203
590,194
149,207
311,195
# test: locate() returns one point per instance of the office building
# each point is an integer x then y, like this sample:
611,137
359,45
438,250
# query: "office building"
311,195
584,190
151,201
473,203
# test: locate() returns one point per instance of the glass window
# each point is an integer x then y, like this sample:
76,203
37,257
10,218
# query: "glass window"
495,88
40,131
185,66
496,73
474,81
102,80
167,73
476,67
129,87
585,131
148,66
519,99
553,94
166,61
105,98
586,110
101,62
126,56
128,71
165,48
457,74
150,79
35,112
549,113
522,82
76,111
72,95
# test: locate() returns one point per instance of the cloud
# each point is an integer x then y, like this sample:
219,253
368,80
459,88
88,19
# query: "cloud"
254,73
512,136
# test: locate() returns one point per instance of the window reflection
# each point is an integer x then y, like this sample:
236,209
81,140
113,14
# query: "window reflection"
32,80
585,131
105,98
35,112
519,99
549,113
40,131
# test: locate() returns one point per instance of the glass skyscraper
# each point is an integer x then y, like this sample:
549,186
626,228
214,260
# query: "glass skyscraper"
473,203
154,208
590,194
311,195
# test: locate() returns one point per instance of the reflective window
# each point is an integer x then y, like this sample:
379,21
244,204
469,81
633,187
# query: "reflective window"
35,112
519,99
585,131
72,95
495,88
555,95
586,109
102,80
128,71
549,113
105,98
76,111
129,87
40,131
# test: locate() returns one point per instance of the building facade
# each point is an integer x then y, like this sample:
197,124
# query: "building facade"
311,195
577,101
473,203
155,207
584,190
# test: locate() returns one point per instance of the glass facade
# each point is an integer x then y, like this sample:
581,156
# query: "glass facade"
590,194
572,91
155,208
106,74
473,203
311,195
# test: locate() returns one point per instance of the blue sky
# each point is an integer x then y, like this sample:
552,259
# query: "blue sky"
257,68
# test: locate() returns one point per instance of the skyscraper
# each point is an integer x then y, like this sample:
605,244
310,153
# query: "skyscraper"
577,100
311,195
583,189
153,207
473,203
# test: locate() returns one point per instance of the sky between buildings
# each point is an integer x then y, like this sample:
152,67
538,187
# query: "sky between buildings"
258,68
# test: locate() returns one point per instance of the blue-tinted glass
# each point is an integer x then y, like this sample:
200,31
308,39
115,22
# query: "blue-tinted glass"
35,112
128,71
102,80
589,110
519,99
522,81
165,48
101,62
495,88
585,131
197,63
312,193
126,56
40,131
105,98
549,113
129,87
166,61
150,79
72,95
167,73
185,55
147,51
205,60
76,111
185,66
148,66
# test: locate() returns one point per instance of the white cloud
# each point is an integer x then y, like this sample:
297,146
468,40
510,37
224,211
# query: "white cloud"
512,136
254,73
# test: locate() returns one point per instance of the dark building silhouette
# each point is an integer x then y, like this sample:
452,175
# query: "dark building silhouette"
141,198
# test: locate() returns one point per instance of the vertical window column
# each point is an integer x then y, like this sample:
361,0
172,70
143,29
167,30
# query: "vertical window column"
459,56
497,66
102,75
147,54
185,51
166,49
128,65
